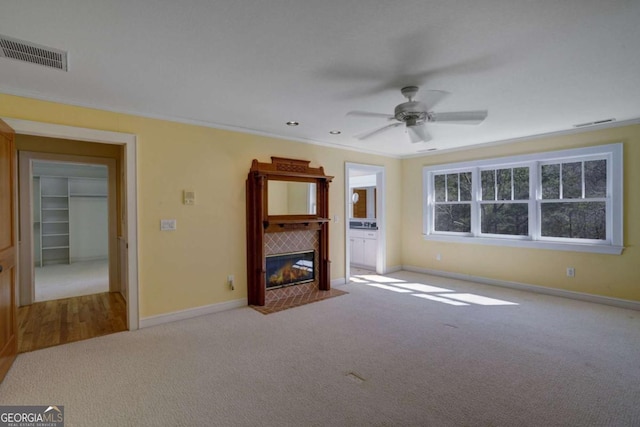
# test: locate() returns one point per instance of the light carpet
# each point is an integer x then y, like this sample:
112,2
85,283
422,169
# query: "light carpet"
71,280
383,355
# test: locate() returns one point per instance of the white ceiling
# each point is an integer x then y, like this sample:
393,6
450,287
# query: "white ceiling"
537,66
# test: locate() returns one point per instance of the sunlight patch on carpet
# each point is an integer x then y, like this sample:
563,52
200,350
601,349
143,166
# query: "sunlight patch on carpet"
477,299
439,299
422,288
387,287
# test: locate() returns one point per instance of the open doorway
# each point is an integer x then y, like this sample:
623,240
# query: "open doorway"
69,282
68,214
70,229
127,254
365,247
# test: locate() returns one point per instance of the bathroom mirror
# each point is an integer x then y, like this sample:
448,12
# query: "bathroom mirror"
291,198
364,202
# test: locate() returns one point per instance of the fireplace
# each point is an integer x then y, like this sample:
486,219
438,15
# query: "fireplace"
286,248
288,269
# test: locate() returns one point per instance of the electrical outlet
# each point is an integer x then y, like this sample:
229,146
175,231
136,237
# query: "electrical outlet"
230,280
439,257
188,197
571,272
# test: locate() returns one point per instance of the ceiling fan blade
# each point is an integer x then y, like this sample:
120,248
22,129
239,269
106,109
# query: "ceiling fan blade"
432,97
418,133
460,117
369,134
369,114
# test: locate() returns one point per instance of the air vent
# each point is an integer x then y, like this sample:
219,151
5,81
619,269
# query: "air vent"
597,122
31,52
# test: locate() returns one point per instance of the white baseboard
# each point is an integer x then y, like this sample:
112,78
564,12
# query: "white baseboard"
598,299
191,312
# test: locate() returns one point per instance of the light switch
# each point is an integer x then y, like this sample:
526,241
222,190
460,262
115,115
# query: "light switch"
188,197
167,225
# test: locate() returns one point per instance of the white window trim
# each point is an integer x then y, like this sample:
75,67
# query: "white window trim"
614,243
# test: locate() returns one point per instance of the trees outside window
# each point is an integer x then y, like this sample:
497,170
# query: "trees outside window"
570,197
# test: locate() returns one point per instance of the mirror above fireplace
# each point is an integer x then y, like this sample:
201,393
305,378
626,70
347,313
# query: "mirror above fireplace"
291,197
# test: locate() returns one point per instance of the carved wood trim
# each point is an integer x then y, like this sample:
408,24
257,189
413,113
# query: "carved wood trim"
259,222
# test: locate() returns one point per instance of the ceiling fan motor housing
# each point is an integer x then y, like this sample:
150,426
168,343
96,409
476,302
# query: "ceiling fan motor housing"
411,113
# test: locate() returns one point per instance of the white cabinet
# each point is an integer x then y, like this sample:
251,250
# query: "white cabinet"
357,250
370,252
364,247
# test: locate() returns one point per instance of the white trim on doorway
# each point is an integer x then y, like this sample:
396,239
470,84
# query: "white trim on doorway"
27,127
381,253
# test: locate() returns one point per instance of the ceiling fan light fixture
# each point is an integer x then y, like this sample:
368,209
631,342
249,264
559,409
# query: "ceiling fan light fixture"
413,111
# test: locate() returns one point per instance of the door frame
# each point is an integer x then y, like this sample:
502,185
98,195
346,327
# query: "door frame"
26,282
9,260
381,252
129,141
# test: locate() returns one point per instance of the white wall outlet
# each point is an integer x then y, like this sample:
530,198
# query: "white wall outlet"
336,218
571,272
230,281
189,197
439,257
167,225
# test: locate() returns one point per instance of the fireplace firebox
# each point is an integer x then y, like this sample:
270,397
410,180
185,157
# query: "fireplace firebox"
290,269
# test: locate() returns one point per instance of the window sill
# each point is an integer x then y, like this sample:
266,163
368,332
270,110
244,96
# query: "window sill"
530,244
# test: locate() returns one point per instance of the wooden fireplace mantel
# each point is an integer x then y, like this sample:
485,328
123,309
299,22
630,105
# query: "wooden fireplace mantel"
259,222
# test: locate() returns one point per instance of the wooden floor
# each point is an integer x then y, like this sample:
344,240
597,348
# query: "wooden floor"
49,323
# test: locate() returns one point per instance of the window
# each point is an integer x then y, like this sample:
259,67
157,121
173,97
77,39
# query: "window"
574,199
565,200
453,202
504,206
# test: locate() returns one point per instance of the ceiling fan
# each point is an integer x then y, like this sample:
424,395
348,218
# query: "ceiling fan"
414,115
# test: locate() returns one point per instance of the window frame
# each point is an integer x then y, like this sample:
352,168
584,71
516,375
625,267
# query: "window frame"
613,244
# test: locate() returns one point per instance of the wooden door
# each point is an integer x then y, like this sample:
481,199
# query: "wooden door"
8,318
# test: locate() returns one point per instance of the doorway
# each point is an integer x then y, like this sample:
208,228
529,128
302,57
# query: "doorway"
126,254
70,222
365,246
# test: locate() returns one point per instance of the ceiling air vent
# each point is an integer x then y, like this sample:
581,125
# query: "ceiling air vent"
597,122
31,52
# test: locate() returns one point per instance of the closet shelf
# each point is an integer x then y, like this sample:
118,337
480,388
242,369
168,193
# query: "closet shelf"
55,199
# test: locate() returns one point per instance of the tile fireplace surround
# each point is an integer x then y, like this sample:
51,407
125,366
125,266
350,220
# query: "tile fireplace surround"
295,295
292,241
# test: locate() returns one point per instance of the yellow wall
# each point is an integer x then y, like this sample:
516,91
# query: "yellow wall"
188,268
615,276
